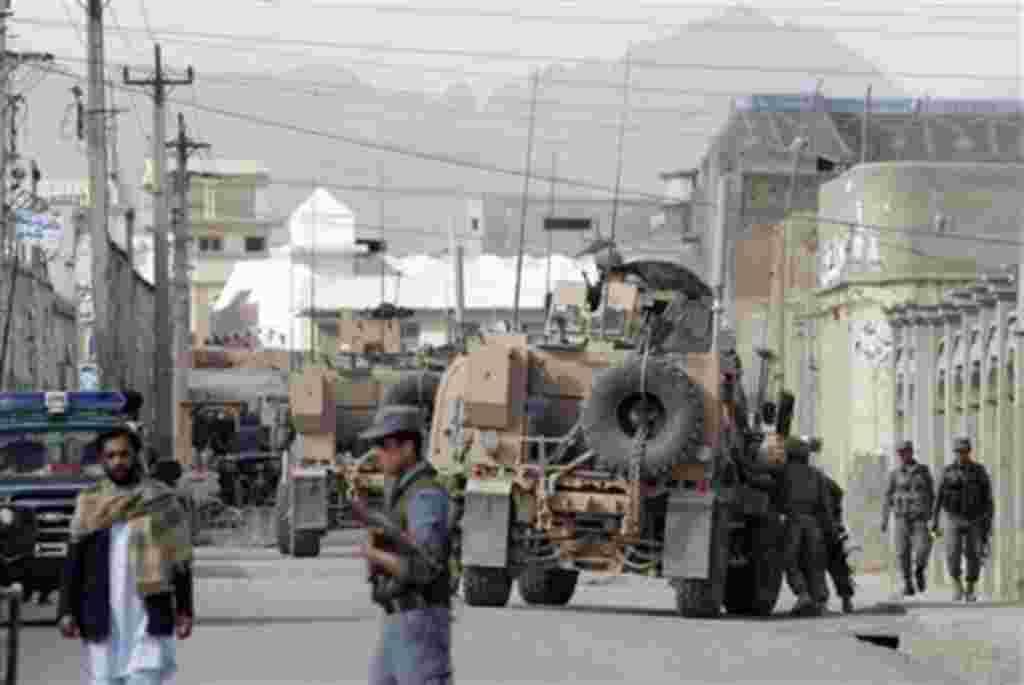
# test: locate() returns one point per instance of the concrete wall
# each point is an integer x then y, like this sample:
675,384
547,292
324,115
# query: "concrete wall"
41,351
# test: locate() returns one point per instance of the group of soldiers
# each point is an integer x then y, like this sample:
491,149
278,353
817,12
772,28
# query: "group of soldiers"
817,542
963,498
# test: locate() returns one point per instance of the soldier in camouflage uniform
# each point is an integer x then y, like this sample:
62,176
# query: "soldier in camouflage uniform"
835,544
911,497
414,589
965,495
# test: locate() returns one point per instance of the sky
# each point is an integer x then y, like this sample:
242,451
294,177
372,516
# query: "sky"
604,32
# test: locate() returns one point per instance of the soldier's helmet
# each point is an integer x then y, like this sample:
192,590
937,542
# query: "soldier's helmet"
961,443
392,420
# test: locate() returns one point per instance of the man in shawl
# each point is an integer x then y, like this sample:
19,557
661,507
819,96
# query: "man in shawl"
128,581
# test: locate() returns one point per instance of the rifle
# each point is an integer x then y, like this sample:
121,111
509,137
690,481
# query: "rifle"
384,530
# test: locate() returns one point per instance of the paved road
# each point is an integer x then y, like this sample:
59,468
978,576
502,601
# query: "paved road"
266,620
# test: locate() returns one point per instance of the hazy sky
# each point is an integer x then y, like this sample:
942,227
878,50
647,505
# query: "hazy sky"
967,51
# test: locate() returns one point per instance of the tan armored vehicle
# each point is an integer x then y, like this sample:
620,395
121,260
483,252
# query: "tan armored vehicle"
609,458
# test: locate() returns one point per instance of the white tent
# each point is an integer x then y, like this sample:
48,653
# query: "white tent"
322,227
282,288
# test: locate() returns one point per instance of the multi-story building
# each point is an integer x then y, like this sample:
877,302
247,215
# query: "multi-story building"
231,220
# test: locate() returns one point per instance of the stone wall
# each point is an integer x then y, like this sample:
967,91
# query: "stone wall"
133,302
42,352
43,349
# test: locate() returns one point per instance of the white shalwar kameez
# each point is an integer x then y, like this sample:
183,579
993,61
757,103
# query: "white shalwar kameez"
129,656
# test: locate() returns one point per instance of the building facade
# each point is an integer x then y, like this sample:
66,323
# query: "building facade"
231,221
888,239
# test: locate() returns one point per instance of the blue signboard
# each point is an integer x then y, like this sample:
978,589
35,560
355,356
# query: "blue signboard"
34,227
808,102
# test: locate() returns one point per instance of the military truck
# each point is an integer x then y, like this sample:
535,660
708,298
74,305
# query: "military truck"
631,455
48,455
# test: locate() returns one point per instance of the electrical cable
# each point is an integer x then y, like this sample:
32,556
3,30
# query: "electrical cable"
497,55
923,231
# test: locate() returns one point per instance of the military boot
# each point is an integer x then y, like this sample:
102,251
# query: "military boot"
922,582
847,605
805,606
970,595
908,587
958,590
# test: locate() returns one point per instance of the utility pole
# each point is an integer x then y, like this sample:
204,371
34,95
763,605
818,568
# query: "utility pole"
96,142
182,145
551,212
534,82
864,127
162,361
618,184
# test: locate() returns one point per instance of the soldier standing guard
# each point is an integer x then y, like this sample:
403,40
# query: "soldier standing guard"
965,494
413,589
911,496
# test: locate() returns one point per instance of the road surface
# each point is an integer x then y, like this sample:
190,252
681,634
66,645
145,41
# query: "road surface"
264,619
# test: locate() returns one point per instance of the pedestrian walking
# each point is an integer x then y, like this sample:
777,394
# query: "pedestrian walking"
965,496
910,497
413,588
808,516
128,588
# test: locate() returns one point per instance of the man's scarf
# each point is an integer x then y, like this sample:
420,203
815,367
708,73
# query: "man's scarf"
160,538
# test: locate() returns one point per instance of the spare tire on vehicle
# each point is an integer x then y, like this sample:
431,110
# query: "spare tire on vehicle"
417,390
674,411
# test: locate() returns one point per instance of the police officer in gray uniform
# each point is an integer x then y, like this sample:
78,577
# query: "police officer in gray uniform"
965,495
911,496
413,589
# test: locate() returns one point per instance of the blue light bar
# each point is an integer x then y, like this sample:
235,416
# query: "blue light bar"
22,402
113,402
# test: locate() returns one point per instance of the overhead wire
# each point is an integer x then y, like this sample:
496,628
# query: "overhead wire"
651,22
244,78
516,56
923,231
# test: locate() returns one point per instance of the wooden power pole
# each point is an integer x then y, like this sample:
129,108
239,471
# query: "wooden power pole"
162,362
182,145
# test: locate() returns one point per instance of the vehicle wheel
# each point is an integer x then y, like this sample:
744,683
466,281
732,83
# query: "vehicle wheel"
418,390
548,586
702,597
307,544
675,416
753,589
486,587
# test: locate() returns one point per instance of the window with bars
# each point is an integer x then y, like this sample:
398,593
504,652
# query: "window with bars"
211,245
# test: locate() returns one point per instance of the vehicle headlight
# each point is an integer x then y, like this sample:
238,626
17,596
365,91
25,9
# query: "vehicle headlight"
6,516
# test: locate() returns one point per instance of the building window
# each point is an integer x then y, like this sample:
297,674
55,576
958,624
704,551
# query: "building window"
211,245
255,244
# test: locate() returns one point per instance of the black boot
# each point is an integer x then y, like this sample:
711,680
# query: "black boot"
908,587
847,605
922,582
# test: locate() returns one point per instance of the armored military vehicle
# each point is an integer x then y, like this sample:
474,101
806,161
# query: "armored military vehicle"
626,456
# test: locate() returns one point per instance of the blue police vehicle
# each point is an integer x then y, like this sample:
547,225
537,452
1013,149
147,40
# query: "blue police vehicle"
48,454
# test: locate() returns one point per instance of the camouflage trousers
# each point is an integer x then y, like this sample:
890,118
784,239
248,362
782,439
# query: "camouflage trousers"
963,540
805,557
913,544
415,648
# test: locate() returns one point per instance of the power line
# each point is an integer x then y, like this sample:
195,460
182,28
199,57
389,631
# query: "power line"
497,55
244,78
381,146
651,22
923,231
